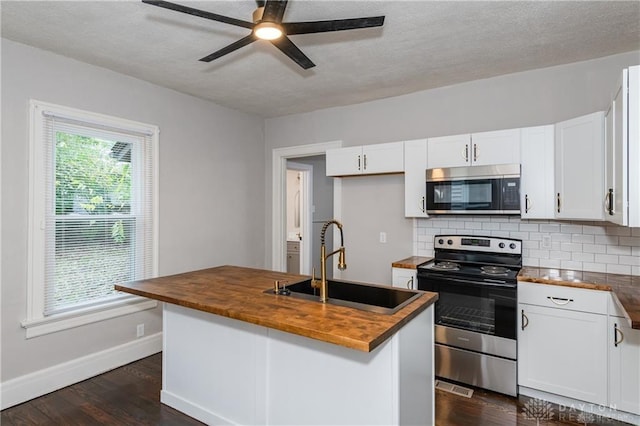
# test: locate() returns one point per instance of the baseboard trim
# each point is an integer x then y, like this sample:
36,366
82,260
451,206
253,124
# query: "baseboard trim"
193,410
38,383
595,411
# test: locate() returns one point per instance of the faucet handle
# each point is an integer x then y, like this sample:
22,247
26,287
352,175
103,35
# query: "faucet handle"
314,280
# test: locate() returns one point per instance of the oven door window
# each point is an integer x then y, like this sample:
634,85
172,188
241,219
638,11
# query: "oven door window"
477,194
475,307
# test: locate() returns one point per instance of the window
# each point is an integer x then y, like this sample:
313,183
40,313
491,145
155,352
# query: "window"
93,216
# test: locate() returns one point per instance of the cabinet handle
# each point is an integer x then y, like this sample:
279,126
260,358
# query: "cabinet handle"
423,208
410,283
525,320
465,153
365,161
609,200
559,300
527,203
358,162
475,152
558,201
616,330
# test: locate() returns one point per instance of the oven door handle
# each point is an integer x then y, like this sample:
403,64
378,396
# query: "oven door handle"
492,283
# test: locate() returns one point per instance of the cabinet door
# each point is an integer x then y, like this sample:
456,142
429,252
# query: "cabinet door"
344,161
448,151
536,173
383,158
579,164
404,278
415,165
499,147
563,352
624,366
633,138
616,156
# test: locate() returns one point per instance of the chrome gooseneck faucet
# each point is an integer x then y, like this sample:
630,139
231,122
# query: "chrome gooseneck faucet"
324,296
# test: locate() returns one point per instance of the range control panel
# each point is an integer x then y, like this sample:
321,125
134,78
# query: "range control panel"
475,243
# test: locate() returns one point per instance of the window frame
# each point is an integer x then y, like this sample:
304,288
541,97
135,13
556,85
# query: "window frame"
37,323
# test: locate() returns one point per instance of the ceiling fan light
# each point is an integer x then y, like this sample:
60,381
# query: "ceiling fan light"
267,31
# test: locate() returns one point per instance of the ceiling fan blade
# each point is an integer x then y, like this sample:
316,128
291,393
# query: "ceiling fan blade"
291,50
200,13
230,48
260,3
291,28
274,10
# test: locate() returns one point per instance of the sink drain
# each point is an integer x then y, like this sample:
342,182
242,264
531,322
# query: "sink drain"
455,389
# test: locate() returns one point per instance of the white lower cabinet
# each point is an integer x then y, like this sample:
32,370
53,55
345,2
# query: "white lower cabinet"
404,278
561,348
624,366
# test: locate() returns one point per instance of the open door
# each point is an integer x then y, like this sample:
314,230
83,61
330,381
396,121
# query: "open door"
298,211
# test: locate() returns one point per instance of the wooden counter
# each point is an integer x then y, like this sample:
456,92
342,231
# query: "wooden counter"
238,293
625,288
411,262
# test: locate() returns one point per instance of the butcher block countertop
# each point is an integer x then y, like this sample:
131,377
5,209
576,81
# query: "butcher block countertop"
411,262
625,288
238,293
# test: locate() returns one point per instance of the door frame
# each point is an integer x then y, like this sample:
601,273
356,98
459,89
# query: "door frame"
306,201
279,157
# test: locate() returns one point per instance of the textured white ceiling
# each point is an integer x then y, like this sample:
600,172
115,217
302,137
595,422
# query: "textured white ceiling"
422,45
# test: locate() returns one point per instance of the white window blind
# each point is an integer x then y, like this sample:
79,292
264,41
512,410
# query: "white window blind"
98,210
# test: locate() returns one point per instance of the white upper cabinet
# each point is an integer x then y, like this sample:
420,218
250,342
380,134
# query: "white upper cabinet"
499,147
622,152
536,173
415,165
579,168
369,159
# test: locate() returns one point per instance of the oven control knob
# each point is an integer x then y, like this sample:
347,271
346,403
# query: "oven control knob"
440,241
501,245
512,246
450,242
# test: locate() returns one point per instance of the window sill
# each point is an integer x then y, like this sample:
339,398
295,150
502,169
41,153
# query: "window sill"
54,323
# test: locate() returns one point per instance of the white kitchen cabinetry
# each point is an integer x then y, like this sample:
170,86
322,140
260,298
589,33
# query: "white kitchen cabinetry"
499,147
536,173
562,335
624,362
415,166
622,151
404,278
367,159
579,168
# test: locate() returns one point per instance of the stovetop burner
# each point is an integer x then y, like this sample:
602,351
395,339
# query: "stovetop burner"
496,271
446,266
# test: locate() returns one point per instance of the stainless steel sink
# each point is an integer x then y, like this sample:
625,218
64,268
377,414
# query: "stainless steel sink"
367,297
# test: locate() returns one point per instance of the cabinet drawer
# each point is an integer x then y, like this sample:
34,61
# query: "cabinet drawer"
570,298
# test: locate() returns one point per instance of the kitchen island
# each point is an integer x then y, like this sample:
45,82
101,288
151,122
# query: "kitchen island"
233,354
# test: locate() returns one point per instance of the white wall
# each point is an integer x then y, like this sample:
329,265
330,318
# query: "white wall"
528,98
211,160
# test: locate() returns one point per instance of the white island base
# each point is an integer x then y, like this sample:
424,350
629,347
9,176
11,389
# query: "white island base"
224,371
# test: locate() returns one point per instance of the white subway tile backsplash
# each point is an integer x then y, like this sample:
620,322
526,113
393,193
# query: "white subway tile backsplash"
582,238
629,241
619,269
622,250
607,258
588,246
551,227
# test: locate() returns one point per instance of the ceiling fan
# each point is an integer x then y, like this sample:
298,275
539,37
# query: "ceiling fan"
267,25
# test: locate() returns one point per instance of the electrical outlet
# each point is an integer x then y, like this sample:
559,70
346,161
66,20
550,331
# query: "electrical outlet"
140,330
546,241
383,237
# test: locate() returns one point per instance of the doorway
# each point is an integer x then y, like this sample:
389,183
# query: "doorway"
298,212
280,157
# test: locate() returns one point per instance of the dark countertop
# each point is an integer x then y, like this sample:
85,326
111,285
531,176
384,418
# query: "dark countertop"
625,288
238,293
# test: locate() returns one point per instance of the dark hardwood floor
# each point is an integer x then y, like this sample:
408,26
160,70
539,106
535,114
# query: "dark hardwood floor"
130,395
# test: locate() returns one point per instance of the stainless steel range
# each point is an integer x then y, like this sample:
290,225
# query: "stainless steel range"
475,315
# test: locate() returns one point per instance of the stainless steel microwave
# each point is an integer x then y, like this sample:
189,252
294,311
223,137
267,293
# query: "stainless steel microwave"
491,189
